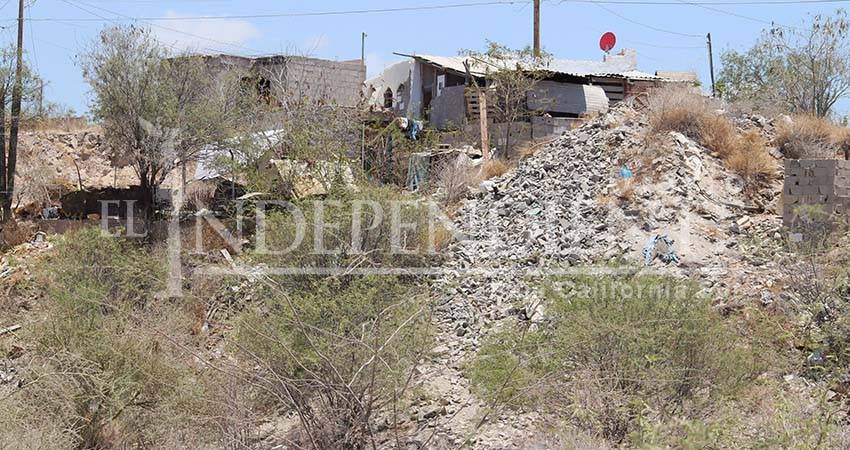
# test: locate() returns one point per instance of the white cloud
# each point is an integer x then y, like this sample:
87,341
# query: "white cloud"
221,35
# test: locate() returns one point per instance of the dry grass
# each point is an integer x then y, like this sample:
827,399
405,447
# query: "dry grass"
678,109
199,195
625,189
750,159
441,238
493,168
841,141
809,137
454,180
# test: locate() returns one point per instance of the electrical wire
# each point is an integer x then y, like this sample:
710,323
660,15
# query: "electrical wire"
77,4
707,4
32,46
318,13
729,13
651,27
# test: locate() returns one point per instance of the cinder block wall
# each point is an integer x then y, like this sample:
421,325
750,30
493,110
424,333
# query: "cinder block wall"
824,182
340,81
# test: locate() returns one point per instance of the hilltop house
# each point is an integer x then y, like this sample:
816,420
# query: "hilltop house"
434,88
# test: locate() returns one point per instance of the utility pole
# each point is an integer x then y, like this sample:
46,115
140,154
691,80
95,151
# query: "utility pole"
363,48
17,92
363,125
711,66
40,99
537,28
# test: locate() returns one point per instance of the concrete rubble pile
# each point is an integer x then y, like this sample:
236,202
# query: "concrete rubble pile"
569,208
566,208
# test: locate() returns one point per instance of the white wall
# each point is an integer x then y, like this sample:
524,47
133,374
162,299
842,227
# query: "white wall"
393,76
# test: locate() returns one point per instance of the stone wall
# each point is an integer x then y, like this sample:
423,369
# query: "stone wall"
824,183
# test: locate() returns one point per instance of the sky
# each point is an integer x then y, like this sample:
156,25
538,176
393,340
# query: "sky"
667,34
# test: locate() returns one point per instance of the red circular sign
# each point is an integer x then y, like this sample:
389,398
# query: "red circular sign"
607,42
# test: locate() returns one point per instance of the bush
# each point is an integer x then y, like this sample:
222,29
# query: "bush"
615,353
91,271
750,158
454,180
810,137
336,352
338,349
679,109
100,375
493,168
377,246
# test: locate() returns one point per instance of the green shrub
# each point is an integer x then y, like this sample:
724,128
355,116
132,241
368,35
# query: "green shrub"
103,371
88,270
338,210
616,352
336,351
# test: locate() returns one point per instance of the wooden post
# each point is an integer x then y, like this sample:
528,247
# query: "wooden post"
15,123
537,28
711,66
482,120
482,111
363,48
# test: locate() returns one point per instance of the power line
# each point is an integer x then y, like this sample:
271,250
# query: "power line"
455,6
77,3
318,13
32,46
730,13
668,47
651,27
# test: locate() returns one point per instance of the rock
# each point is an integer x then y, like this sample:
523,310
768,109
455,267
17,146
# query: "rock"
439,350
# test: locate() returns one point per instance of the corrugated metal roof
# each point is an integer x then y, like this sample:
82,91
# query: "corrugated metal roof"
454,63
630,74
677,76
578,68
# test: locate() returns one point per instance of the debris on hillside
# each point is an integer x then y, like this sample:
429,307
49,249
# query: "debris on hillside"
13,262
571,207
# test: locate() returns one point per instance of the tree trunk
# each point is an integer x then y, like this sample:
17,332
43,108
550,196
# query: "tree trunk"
507,152
147,195
3,195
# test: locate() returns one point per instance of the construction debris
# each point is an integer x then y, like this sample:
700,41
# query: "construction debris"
660,246
306,179
597,195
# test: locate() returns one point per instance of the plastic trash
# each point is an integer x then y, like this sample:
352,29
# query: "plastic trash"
625,172
661,246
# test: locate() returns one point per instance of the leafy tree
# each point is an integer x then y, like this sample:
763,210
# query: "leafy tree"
158,112
510,74
806,69
29,88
